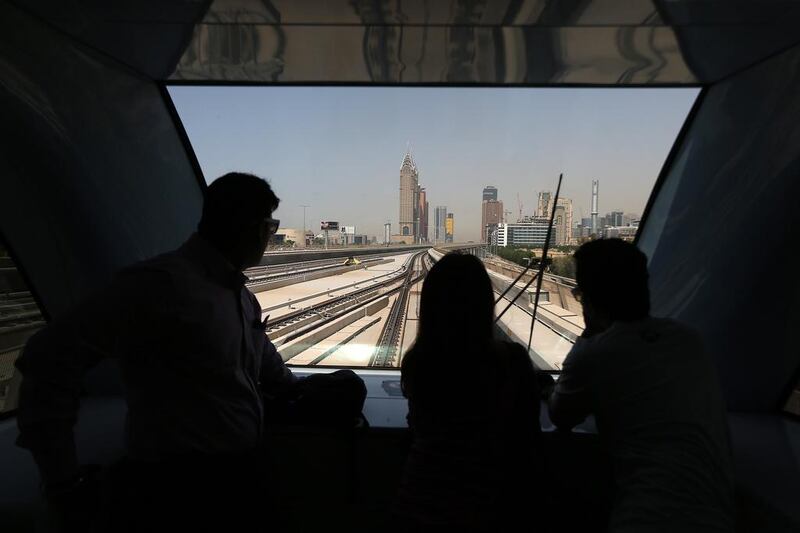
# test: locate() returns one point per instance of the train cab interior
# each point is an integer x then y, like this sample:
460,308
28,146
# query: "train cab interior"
97,172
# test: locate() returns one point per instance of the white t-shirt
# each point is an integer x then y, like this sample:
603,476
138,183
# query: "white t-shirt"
661,416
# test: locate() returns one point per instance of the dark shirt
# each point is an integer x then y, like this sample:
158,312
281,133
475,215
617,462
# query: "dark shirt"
193,352
661,416
475,437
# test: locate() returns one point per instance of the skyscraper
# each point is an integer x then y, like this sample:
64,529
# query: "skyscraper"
439,216
449,225
409,199
544,205
422,208
563,221
615,218
595,193
413,220
491,213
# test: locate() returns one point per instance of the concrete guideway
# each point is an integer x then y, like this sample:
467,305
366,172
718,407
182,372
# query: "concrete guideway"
555,330
285,300
328,320
276,280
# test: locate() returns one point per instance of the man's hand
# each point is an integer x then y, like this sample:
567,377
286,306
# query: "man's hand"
546,384
74,504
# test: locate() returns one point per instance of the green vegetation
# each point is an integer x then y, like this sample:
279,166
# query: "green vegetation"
560,266
563,266
520,255
515,254
566,248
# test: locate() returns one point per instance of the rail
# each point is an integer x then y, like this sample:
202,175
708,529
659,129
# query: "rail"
389,340
304,321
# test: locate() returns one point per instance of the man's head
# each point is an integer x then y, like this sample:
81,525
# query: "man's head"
612,282
237,217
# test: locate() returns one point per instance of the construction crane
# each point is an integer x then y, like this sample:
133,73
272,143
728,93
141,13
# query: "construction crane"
519,204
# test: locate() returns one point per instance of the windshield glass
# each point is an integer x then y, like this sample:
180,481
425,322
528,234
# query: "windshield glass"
376,183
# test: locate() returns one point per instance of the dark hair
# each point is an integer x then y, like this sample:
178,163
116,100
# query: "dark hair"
234,202
612,275
456,319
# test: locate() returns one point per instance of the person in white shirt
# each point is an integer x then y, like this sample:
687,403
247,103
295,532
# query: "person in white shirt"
655,397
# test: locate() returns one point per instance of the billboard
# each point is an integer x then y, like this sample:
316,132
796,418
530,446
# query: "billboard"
329,225
348,230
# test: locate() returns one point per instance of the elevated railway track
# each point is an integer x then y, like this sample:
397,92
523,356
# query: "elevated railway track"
303,323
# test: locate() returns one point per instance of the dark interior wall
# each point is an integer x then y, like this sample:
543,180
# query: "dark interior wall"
93,175
723,231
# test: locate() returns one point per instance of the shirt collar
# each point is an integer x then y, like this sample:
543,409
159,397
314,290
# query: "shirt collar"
201,252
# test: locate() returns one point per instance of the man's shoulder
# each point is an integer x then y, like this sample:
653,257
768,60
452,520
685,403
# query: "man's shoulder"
165,266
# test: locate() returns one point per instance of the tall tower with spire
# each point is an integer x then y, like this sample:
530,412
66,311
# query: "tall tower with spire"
409,197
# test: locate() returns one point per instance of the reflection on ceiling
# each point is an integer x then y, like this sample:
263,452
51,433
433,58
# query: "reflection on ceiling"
547,42
428,41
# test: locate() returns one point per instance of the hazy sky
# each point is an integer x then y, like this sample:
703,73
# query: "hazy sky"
339,149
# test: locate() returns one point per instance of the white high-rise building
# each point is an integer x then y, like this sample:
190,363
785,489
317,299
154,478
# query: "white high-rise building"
544,204
563,222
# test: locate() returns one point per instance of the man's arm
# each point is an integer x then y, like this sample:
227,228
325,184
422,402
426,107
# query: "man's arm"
56,359
53,364
276,379
571,401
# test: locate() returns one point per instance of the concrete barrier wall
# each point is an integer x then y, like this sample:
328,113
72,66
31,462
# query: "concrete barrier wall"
313,318
560,294
281,258
296,347
261,287
513,337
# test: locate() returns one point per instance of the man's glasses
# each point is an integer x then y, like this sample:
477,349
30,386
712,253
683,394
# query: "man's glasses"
272,225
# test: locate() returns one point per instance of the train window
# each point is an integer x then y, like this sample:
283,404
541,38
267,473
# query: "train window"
19,319
365,174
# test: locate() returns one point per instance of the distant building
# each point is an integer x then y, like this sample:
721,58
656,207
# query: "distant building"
401,239
409,182
423,216
627,233
615,218
532,234
449,228
563,222
439,217
595,199
544,204
630,219
489,193
491,217
294,235
413,203
583,231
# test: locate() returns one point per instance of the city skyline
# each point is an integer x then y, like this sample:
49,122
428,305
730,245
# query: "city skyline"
337,149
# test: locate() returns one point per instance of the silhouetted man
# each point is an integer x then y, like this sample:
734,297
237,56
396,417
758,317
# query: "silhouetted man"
195,362
655,397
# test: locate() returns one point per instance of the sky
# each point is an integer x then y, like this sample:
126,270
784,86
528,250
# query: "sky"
339,149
